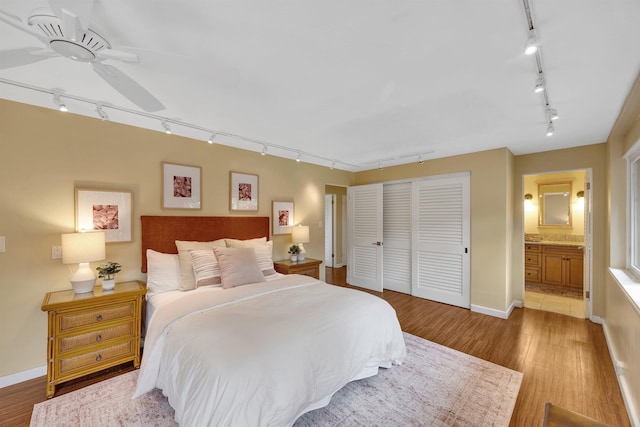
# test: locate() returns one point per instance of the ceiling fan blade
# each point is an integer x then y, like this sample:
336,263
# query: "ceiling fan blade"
16,22
128,87
23,56
117,54
82,10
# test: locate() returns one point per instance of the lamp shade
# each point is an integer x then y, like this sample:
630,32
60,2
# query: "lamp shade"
83,247
300,234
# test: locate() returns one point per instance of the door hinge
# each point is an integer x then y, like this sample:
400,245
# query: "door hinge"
588,186
586,294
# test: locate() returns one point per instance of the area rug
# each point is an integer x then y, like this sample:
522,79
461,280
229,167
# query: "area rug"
554,290
435,386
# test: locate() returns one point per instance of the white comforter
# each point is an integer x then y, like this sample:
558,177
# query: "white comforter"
263,354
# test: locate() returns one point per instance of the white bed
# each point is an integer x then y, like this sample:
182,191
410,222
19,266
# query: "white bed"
264,353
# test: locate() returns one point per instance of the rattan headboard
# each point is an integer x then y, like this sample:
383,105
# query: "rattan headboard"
160,232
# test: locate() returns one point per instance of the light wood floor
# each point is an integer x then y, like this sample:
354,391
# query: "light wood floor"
564,359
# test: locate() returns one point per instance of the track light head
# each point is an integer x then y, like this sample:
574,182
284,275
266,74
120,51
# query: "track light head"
299,157
539,85
211,138
166,127
420,159
264,150
553,114
101,113
59,102
333,165
550,129
531,45
380,166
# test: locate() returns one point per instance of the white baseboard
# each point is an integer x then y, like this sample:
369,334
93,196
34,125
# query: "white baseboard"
23,376
618,366
489,311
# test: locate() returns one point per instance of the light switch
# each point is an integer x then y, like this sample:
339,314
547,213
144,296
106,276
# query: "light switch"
1,244
56,252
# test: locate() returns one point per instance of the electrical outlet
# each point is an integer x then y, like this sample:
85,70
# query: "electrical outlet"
56,252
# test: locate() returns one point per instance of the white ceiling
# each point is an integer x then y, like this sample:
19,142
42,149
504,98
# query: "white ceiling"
358,82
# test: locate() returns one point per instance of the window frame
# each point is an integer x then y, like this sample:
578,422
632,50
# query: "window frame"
633,209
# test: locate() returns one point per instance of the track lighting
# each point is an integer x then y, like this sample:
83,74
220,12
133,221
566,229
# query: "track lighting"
550,129
211,138
531,46
166,127
264,150
553,114
380,166
59,102
420,159
333,165
101,113
539,84
299,157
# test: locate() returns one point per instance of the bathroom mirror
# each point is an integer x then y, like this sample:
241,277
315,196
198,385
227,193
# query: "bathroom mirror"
554,204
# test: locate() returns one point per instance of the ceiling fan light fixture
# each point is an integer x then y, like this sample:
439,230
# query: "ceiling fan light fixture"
166,127
531,45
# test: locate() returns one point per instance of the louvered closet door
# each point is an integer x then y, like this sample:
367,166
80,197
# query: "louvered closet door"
396,227
441,236
365,236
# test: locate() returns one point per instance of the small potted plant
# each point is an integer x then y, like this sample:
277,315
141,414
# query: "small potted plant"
294,250
107,272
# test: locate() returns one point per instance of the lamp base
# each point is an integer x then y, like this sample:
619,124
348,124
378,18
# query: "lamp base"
83,286
83,280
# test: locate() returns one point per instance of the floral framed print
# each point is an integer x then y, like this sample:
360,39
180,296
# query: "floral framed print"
106,210
181,188
282,217
243,192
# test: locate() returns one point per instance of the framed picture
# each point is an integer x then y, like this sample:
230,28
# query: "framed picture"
106,210
181,187
282,217
243,192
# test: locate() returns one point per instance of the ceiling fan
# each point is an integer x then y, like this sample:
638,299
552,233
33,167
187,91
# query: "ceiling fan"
64,30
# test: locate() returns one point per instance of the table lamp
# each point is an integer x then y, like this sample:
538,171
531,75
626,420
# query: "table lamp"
82,248
300,235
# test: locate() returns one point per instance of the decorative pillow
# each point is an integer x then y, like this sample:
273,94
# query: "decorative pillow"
163,272
249,243
205,267
187,278
238,266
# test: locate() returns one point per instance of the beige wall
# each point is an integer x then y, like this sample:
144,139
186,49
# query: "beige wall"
622,317
44,154
531,210
490,215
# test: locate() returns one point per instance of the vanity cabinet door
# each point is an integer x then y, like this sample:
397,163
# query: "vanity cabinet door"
552,269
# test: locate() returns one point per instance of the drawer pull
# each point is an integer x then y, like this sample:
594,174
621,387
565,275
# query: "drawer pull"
98,358
99,317
98,338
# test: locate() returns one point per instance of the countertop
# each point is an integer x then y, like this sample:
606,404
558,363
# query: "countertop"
555,243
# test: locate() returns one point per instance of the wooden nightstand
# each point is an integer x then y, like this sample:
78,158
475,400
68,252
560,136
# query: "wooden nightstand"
92,331
308,267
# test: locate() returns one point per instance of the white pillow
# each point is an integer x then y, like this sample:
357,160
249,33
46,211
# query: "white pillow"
238,266
187,278
249,243
163,272
205,267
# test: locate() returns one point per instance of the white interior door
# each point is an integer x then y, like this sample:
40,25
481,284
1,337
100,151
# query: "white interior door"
396,207
365,236
329,203
441,237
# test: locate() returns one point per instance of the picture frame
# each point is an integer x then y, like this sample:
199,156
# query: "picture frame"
110,211
243,191
181,186
282,217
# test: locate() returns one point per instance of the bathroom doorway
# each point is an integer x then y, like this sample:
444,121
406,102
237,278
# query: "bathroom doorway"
557,242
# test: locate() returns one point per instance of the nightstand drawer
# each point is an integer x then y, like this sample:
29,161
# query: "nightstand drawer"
78,319
99,357
311,272
67,343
